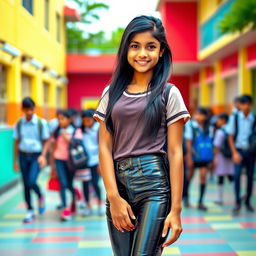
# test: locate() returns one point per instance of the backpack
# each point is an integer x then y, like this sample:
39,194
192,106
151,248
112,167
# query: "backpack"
40,129
225,148
252,138
78,156
202,146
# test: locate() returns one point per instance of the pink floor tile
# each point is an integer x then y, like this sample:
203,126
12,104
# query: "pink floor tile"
197,230
248,224
56,239
188,220
201,241
63,229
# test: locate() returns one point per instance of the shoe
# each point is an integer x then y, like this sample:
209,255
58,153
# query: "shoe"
249,208
41,205
101,210
30,217
65,215
236,209
202,207
87,212
73,207
187,204
218,202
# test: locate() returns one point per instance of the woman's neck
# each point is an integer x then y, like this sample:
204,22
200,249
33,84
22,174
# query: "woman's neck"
141,79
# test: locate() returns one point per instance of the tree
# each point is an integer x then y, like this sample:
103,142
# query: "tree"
76,37
241,16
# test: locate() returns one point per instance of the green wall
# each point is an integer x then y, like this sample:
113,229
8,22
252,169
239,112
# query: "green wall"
7,173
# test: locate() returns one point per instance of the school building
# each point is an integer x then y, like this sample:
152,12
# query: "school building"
32,63
219,67
210,69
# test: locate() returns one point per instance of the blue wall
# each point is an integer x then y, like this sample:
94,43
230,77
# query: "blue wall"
209,31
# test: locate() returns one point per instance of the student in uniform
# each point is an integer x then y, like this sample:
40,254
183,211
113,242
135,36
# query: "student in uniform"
198,134
223,166
62,136
31,136
134,121
90,129
240,128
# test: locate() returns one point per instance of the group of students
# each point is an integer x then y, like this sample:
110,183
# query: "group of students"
224,145
38,142
216,143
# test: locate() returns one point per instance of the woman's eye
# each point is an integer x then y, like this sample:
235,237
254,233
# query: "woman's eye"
134,46
151,47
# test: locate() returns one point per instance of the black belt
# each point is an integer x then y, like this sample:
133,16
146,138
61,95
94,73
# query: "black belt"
30,153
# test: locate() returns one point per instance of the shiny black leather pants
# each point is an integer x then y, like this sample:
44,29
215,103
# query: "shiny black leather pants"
143,182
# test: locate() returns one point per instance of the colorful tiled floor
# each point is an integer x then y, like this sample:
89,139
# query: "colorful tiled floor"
215,233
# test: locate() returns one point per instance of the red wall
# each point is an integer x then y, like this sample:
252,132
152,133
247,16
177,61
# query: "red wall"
92,85
180,20
182,82
85,85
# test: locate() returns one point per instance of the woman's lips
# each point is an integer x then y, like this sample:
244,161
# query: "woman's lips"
142,62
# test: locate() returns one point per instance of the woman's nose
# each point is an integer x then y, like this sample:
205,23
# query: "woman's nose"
142,53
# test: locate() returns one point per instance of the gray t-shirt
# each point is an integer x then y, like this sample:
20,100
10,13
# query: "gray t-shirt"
129,138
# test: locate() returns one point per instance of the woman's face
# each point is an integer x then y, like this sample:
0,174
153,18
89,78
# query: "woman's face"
88,122
144,52
64,121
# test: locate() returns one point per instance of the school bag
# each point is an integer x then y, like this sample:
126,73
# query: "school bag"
202,145
40,129
78,156
225,148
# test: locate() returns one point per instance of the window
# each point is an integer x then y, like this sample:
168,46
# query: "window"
26,86
46,14
46,100
58,28
3,97
28,5
59,97
46,93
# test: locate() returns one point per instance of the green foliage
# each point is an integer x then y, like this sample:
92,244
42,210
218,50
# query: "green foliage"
242,15
104,45
76,36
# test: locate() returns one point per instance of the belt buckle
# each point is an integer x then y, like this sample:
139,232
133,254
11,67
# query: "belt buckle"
124,164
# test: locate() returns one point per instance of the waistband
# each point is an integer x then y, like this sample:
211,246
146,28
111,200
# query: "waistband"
138,160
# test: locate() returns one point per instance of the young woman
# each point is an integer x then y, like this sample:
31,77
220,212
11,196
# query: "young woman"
223,166
90,130
62,136
142,201
198,135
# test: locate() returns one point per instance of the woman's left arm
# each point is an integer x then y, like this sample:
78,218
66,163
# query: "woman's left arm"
175,157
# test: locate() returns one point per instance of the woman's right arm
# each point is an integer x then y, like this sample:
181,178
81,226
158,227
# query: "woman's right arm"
120,210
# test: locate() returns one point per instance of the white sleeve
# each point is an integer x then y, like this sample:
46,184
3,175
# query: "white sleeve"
100,112
176,108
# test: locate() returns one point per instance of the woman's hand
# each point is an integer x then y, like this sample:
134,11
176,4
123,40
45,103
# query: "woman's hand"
121,213
173,222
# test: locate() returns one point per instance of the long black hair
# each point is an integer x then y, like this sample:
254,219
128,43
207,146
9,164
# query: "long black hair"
66,113
123,73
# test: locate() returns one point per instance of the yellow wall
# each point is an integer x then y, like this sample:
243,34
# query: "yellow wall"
206,8
28,34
